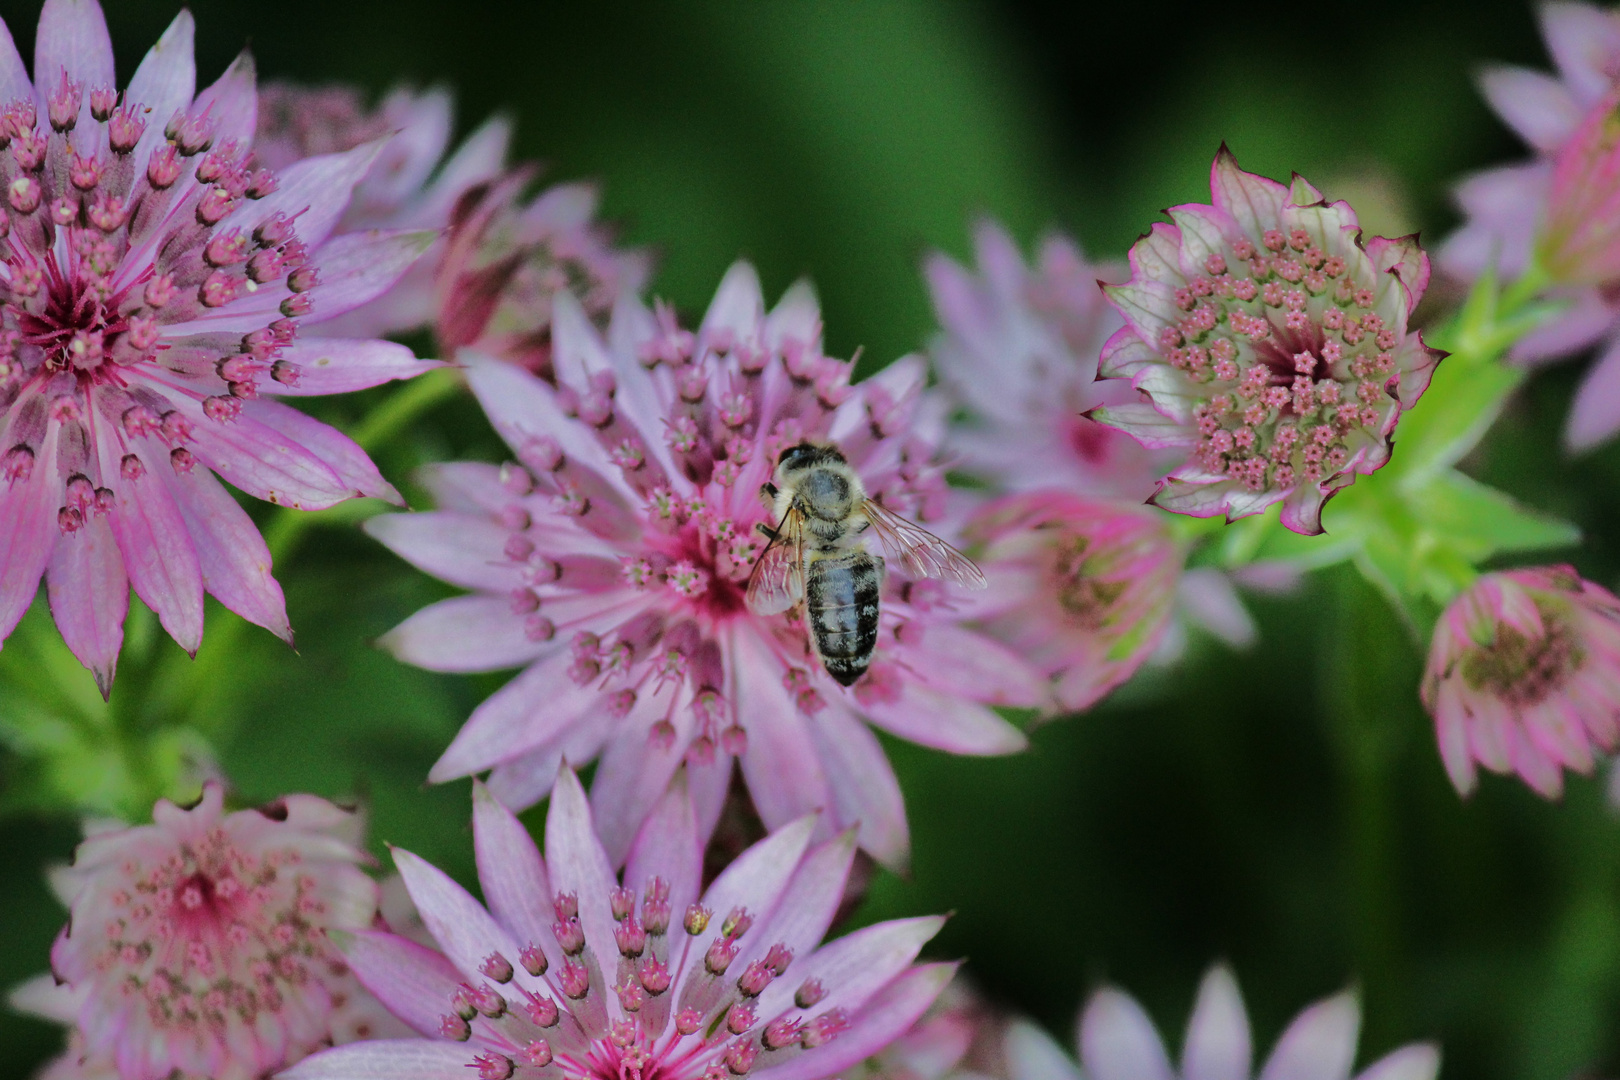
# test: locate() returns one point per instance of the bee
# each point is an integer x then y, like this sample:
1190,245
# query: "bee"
815,556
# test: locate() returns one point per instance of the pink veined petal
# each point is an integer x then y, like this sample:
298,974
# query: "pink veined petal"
384,1059
967,664
232,555
159,556
1118,1041
1595,416
413,982
318,186
668,846
467,550
232,102
575,860
1534,104
479,158
810,901
1146,424
28,530
89,596
887,1016
783,771
1218,1045
164,83
341,365
1420,1061
261,460
945,722
356,268
342,455
1253,201
472,487
73,38
855,966
863,785
511,873
461,926
578,351
464,634
755,881
1319,1045
14,81
1032,1054
524,780
630,775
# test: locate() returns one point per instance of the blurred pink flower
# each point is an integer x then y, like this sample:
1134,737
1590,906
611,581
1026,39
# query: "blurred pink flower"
1524,676
1083,589
1018,352
152,290
612,560
566,967
1561,205
1118,1042
410,185
507,259
198,943
1273,345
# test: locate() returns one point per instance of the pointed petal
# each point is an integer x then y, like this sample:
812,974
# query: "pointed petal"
261,461
385,1059
1032,1054
1534,104
883,1019
811,899
575,860
1583,39
89,596
755,880
511,873
464,930
1420,1061
945,722
667,846
356,268
163,84
412,981
1595,416
1118,1041
631,773
865,792
855,966
342,365
14,81
1255,202
342,455
1319,1045
1146,424
72,38
317,189
465,634
1218,1046
158,554
232,102
467,550
28,531
539,706
1207,597
233,557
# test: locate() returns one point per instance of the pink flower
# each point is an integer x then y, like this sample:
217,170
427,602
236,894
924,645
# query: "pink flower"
152,293
1272,344
613,558
1019,352
942,1043
410,185
198,943
1560,207
1118,1042
655,976
1083,589
508,258
1524,676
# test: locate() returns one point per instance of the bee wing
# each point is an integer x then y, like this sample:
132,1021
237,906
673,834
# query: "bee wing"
777,581
921,552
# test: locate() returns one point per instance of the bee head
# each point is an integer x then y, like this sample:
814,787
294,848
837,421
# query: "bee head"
806,455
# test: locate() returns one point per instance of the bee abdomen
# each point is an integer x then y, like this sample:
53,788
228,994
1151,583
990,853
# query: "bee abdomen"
841,598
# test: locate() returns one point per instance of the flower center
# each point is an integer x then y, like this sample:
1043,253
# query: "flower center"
1524,671
74,318
1085,595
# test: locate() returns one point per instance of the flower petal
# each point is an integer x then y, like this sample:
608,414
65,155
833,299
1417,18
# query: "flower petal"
464,930
232,555
467,550
1534,104
158,554
881,1020
73,40
342,365
262,461
1319,1045
667,846
232,102
28,531
342,455
465,634
1032,1054
385,1059
511,872
855,966
1595,416
945,722
576,862
1218,1044
89,595
14,81
356,268
413,982
1420,1061
1118,1041
865,792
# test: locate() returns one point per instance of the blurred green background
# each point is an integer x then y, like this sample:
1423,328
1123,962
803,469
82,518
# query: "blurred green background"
1283,809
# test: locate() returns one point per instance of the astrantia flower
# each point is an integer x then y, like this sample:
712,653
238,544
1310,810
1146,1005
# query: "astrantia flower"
1082,589
572,972
508,258
613,560
1118,1042
411,184
153,289
1559,209
1272,342
1524,676
1018,353
198,943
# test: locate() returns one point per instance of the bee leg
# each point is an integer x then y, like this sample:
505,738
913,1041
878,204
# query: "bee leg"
765,530
767,495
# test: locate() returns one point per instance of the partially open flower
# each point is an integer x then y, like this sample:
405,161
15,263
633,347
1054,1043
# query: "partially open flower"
1524,676
411,185
1083,589
612,561
508,259
155,294
570,970
198,943
1272,343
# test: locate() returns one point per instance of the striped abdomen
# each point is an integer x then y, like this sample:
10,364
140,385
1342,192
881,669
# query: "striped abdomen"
841,594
